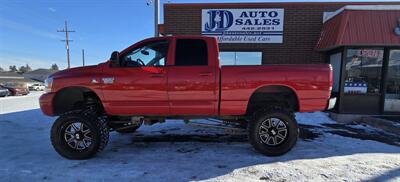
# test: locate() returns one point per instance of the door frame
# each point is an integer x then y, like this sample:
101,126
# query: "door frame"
213,63
385,71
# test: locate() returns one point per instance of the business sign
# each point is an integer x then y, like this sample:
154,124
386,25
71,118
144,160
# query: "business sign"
243,25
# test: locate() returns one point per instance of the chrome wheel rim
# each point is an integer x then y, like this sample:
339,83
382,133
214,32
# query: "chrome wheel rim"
273,131
78,136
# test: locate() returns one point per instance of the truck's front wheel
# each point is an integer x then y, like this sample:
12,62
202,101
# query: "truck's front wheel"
273,131
79,136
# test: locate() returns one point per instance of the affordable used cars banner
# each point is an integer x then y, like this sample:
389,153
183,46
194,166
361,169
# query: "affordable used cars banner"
243,25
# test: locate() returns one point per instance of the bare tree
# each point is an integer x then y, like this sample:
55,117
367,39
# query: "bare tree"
24,69
54,67
13,68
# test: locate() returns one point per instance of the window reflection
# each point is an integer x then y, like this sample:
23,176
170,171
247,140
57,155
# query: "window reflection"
392,97
363,71
240,58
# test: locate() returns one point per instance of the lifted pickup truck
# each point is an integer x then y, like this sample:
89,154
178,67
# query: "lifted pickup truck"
180,77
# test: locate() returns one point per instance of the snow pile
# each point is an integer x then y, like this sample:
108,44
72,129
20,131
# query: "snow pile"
19,103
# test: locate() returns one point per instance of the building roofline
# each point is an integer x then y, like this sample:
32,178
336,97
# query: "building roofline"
330,15
278,3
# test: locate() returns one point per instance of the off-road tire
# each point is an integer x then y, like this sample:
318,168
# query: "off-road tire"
282,114
97,125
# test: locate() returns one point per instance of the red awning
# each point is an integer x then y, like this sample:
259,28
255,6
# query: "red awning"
360,28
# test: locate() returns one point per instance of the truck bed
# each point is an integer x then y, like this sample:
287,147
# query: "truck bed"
310,83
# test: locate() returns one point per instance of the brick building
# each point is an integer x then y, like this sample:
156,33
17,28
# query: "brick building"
360,39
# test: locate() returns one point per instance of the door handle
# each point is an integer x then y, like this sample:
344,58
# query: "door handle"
205,74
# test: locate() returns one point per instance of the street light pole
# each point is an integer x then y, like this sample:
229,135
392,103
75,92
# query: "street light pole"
156,17
83,57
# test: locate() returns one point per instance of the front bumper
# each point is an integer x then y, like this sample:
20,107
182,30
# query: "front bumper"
331,103
46,103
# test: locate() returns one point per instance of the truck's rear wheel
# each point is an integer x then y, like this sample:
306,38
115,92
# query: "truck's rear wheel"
79,136
273,131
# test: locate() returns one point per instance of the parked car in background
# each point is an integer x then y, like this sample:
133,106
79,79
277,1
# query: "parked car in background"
4,91
36,87
16,88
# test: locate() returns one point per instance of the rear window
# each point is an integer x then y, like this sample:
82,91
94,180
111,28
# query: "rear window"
191,52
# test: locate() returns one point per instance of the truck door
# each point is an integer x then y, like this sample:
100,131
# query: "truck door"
192,79
139,85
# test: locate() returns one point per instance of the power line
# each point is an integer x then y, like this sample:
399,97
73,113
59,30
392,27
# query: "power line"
67,40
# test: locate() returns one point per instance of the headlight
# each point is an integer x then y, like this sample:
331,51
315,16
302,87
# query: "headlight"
48,83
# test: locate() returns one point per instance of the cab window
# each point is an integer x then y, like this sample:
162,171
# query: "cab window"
191,52
150,54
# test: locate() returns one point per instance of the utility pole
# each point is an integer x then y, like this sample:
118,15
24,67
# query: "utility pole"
65,29
156,15
83,57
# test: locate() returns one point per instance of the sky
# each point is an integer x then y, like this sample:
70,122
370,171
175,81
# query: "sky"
28,29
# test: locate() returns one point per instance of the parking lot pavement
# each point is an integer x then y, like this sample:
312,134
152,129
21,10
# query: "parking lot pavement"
174,151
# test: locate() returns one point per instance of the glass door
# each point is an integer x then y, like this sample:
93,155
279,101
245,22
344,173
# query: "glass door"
362,72
392,95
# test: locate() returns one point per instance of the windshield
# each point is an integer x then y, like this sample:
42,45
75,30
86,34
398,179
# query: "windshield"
151,54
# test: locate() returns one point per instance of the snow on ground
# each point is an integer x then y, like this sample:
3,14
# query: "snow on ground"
19,103
314,119
174,151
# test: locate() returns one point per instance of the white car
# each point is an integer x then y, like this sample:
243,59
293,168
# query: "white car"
37,87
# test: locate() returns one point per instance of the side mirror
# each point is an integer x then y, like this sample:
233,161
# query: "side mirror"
144,52
115,59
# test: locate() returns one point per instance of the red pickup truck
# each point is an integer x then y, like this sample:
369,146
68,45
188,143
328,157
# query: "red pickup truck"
180,77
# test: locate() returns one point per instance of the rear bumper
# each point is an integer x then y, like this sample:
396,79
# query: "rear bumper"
46,103
331,103
3,93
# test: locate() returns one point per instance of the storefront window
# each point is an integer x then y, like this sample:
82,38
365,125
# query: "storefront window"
363,71
240,58
392,96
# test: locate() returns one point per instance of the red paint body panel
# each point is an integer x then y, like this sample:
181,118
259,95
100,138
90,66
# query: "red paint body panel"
46,103
191,90
75,77
136,90
310,83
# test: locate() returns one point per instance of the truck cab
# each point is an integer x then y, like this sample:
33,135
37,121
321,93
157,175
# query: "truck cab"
165,76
